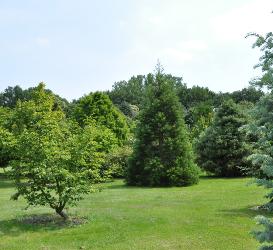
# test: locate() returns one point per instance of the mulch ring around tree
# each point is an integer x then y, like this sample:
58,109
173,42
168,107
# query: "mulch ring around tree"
52,220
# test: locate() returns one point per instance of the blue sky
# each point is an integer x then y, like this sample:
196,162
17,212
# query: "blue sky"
80,46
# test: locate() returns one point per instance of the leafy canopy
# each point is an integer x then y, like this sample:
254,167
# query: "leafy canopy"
55,160
99,108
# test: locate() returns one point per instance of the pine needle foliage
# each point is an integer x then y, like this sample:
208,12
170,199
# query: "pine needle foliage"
162,153
221,149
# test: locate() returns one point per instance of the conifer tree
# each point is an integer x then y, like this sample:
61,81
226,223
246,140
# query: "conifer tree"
221,149
262,162
262,128
162,154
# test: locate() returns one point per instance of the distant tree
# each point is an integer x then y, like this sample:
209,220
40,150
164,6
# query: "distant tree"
6,144
249,94
198,118
195,95
98,107
116,164
162,154
128,91
128,95
221,149
55,160
11,95
129,110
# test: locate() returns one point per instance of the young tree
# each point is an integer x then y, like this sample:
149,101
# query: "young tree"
162,154
55,160
221,149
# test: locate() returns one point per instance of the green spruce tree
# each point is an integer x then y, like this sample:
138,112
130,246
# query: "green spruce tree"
162,154
221,149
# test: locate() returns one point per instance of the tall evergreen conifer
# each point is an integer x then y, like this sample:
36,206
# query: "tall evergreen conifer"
162,154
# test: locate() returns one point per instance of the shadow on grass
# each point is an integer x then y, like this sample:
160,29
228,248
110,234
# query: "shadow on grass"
125,186
212,177
36,223
117,186
250,212
5,182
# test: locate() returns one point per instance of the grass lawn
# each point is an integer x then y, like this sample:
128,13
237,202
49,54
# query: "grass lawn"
215,214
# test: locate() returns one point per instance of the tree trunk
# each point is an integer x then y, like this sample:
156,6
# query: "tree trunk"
62,213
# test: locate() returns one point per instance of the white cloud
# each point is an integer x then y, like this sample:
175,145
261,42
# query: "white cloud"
173,54
193,45
255,16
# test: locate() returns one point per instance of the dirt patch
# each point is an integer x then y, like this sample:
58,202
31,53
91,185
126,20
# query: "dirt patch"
52,220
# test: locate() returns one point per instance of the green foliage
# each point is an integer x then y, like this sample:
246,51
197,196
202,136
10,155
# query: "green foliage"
55,160
262,158
195,95
128,91
7,144
128,95
221,149
116,164
261,129
162,154
11,95
249,94
198,118
265,43
98,107
128,109
91,148
265,235
6,138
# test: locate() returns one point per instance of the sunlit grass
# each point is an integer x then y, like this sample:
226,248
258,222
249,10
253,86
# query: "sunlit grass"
216,214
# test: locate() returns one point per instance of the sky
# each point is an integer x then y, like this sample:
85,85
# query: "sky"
76,47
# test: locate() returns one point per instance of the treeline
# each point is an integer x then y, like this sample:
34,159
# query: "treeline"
119,112
199,103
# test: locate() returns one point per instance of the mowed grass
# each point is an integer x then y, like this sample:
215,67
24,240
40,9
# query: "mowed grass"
216,214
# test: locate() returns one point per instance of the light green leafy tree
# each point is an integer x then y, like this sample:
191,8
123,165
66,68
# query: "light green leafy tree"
99,108
56,161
